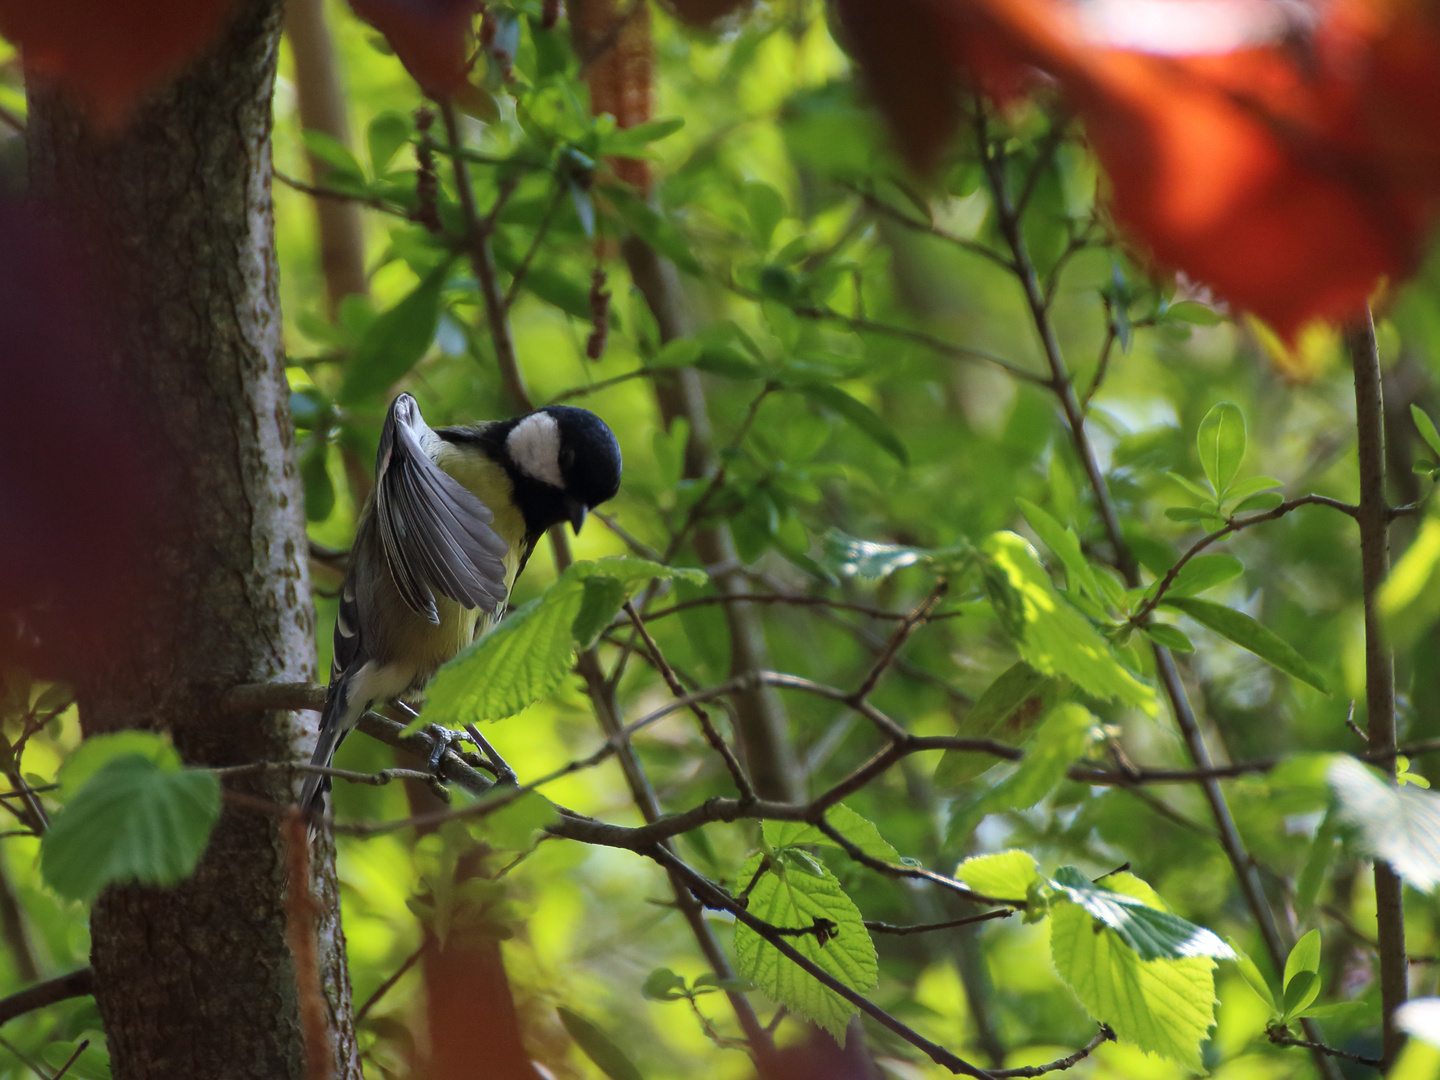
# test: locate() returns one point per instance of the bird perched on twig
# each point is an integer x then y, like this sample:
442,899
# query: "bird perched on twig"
455,514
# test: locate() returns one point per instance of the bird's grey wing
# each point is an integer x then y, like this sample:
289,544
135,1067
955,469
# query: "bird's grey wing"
435,534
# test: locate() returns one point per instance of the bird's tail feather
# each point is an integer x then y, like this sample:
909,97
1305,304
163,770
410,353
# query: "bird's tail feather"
332,731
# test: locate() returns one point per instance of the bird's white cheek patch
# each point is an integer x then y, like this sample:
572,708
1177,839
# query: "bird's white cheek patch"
534,446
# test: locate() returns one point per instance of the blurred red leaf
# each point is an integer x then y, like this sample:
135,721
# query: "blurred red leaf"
110,53
617,53
1292,177
432,38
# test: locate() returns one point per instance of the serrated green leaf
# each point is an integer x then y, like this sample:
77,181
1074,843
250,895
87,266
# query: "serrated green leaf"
395,341
1165,1007
859,831
782,897
1008,710
1399,825
598,1046
1301,989
1305,956
1426,427
1244,631
1006,875
1205,572
1221,442
1065,545
662,984
1153,933
529,654
858,414
132,820
1053,637
1061,740
96,752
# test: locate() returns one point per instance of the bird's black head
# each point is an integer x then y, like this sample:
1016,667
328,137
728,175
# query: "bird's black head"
567,461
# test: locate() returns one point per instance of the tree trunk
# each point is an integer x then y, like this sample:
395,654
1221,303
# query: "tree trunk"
198,981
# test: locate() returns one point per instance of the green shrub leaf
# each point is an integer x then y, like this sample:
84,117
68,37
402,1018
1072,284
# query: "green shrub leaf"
1244,631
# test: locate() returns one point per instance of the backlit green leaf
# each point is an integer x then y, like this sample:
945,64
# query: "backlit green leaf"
598,1046
1008,710
1006,875
1244,631
395,341
1221,442
1398,824
860,832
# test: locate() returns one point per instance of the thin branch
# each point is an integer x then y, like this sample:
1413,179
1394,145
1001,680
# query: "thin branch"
926,928
1232,525
524,267
794,600
1104,1035
76,984
614,380
316,191
482,262
929,228
386,986
908,626
1282,1038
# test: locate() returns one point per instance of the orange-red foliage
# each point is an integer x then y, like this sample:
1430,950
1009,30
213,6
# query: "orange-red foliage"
432,38
1291,176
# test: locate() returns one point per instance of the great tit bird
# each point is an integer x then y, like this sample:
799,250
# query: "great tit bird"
455,514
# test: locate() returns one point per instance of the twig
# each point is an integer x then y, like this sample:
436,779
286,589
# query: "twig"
79,983
908,626
386,986
1104,1035
794,600
1374,519
1232,525
84,1045
926,928
713,737
1281,1038
318,192
929,228
524,266
482,262
26,1060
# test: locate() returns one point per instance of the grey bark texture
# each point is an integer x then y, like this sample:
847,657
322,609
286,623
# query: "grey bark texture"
175,211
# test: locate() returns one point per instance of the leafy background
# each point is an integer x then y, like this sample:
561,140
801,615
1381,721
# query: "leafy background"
779,197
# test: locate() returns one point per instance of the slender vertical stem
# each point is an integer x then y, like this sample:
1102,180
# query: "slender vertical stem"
1277,945
1374,519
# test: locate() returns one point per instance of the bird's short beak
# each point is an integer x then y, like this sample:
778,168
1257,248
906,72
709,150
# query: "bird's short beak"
577,514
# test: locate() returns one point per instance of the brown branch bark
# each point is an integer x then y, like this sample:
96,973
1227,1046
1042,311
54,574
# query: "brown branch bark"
76,984
175,215
1374,519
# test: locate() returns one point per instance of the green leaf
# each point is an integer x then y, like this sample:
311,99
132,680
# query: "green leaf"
1244,631
1312,875
1171,637
1186,513
1053,637
1305,956
514,826
1006,875
1250,972
97,751
1266,500
335,154
388,132
1061,740
1154,934
529,654
1398,824
1205,572
766,209
1221,442
632,141
1066,546
727,359
710,979
92,1064
857,413
315,472
1008,710
1194,312
1165,1007
859,831
786,898
1256,484
396,340
1410,597
1205,497
1300,990
655,230
853,557
662,984
132,820
598,1047
1426,427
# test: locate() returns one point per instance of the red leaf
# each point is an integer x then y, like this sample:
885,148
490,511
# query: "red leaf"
432,38
110,53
